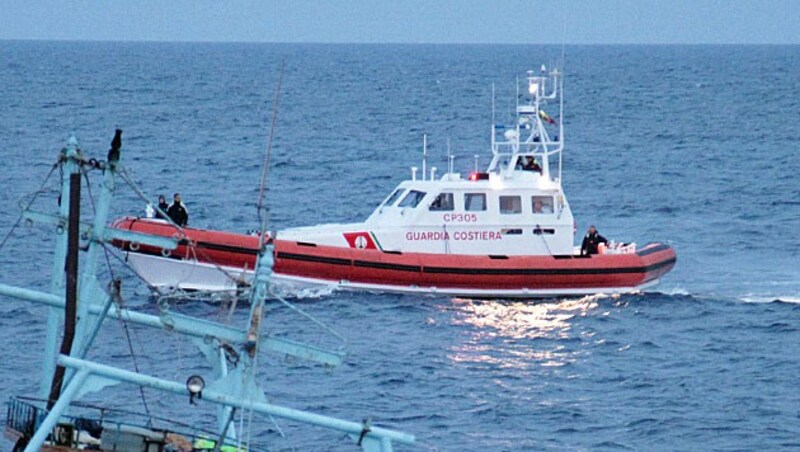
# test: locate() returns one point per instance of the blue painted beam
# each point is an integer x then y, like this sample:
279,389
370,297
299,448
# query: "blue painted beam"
353,428
108,234
186,325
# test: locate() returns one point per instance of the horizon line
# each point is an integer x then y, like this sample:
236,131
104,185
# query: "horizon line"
421,43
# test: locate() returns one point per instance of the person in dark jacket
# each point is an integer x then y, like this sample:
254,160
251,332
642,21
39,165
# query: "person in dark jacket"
163,207
178,212
531,164
591,240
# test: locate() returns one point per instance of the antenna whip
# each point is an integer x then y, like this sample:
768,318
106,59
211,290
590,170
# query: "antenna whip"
268,153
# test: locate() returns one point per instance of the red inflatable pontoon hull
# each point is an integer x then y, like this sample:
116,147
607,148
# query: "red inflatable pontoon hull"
216,247
375,267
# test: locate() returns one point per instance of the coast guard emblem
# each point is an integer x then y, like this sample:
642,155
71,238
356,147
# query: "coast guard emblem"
360,240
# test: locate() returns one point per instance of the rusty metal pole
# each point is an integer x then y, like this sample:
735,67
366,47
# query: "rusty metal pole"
70,310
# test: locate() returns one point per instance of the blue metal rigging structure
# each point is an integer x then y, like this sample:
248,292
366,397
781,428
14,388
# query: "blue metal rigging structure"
231,388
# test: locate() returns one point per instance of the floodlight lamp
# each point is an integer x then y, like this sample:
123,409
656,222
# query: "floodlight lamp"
195,385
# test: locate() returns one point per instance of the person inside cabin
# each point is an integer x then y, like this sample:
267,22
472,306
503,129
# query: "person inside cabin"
162,206
178,212
538,207
591,241
443,201
531,164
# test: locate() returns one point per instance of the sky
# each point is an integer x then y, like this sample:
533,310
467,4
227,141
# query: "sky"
407,21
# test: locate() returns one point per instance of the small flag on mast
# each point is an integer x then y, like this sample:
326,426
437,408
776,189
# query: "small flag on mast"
546,117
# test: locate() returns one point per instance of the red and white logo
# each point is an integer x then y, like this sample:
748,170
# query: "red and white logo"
360,240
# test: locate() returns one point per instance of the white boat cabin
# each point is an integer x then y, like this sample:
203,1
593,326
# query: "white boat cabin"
523,213
516,207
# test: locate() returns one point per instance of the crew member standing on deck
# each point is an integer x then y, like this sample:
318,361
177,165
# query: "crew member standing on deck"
162,206
591,240
178,212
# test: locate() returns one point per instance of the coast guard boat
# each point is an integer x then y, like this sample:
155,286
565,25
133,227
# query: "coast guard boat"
507,231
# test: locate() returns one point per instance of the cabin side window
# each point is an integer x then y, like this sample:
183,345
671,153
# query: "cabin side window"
443,201
393,197
412,199
510,204
541,204
475,202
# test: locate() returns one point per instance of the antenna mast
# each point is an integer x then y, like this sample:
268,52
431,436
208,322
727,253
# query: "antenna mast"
424,154
268,153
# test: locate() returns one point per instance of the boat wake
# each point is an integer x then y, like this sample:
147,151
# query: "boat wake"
679,291
303,293
770,299
749,297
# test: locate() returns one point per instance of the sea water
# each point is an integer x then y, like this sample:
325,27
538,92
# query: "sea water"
693,145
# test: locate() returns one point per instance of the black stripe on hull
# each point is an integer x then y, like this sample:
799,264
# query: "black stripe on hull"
227,248
652,250
310,258
388,266
199,246
547,271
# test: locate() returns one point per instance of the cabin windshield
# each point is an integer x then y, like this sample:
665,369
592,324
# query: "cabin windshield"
393,197
412,199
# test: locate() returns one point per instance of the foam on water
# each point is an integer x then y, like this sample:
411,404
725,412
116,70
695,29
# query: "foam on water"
305,293
771,299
